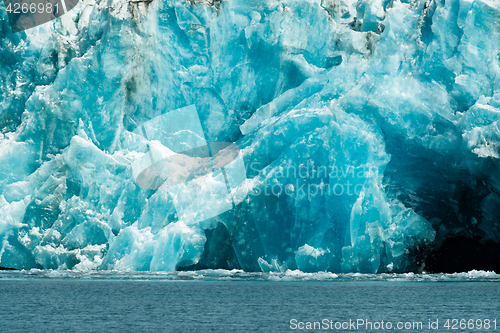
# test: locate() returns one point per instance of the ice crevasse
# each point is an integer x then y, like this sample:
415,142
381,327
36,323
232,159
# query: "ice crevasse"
365,135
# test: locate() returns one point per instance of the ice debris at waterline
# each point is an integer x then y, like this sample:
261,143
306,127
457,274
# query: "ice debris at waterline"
239,275
368,131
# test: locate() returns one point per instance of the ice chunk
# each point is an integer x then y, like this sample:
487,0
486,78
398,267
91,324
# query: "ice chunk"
310,259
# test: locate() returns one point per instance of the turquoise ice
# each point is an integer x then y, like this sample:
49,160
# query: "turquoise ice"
368,131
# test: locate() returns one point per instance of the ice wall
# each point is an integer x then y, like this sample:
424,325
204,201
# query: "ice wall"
369,133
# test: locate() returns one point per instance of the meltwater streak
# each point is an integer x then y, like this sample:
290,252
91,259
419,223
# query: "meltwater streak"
117,301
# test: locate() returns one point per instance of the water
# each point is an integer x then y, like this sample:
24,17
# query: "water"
234,301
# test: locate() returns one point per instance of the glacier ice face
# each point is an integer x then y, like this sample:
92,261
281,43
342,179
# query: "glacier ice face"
368,132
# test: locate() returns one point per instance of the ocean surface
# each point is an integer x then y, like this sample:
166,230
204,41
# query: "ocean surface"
234,301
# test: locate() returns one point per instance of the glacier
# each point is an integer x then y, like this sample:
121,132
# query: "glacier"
361,136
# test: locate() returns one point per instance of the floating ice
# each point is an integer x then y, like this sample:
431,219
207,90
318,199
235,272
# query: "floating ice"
314,135
239,275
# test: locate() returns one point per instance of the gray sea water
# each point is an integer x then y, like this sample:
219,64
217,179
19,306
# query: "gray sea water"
234,301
